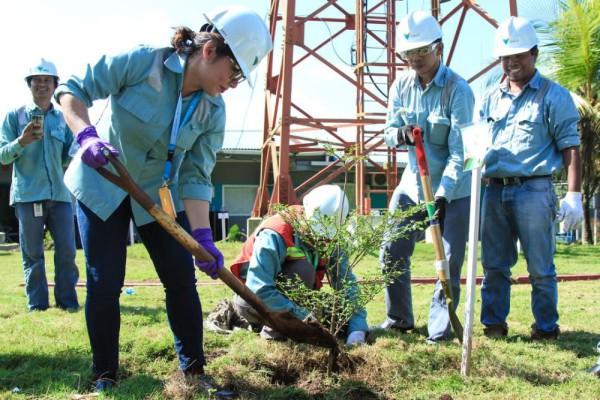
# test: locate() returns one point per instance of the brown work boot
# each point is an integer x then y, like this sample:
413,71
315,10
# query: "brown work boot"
496,331
537,334
196,376
204,382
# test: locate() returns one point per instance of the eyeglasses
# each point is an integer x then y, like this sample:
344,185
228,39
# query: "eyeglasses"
238,75
420,52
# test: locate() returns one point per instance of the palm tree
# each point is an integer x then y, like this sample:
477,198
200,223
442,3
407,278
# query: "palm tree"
573,55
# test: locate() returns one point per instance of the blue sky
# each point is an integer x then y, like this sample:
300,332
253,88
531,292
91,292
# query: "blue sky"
72,33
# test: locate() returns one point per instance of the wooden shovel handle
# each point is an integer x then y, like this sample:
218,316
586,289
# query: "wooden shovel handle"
284,322
125,182
436,233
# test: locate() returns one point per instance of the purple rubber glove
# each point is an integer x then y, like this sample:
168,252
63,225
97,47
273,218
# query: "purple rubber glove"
204,237
92,147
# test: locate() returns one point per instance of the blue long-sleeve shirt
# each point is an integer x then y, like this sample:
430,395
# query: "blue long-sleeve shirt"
144,85
268,256
439,109
38,168
530,129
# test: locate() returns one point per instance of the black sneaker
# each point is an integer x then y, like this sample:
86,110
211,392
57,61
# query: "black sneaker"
496,331
389,325
104,384
537,334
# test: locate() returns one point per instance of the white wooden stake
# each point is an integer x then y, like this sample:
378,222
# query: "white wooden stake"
131,233
223,216
465,365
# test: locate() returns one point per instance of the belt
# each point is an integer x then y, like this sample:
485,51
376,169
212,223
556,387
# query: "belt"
515,180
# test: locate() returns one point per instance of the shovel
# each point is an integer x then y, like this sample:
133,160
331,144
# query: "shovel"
441,264
284,322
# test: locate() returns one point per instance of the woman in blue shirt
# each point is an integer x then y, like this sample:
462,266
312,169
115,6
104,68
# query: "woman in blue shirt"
167,124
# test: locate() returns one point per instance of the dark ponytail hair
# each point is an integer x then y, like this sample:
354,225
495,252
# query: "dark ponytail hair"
186,41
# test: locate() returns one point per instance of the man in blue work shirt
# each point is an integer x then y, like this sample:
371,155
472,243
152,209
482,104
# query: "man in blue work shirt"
434,98
36,140
533,123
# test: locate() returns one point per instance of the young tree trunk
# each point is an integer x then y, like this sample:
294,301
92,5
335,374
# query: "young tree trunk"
332,361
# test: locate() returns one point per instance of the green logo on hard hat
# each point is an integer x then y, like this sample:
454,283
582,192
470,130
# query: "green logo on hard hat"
406,35
255,60
506,40
42,69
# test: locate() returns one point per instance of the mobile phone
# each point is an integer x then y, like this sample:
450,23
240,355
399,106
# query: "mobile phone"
38,124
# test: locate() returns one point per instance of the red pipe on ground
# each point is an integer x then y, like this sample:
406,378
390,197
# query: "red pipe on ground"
422,280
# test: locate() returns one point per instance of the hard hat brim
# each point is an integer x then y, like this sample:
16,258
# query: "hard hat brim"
415,45
511,51
40,74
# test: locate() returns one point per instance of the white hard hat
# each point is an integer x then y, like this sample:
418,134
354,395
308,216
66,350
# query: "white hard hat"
417,29
245,33
326,200
514,36
43,67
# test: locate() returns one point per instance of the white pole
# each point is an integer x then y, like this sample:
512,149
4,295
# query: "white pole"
465,365
223,232
131,233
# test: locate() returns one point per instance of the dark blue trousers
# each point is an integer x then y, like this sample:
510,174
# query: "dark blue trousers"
105,247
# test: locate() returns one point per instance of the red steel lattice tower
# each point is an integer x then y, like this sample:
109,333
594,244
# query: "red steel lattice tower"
290,125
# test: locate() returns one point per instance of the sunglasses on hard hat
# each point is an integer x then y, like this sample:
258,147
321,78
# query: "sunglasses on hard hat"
420,52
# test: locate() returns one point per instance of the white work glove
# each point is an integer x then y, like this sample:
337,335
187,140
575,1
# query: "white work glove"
355,338
571,210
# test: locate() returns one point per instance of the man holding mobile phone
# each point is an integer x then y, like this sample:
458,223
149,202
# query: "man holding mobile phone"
36,140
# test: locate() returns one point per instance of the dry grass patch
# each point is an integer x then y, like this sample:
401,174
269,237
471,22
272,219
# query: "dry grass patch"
258,367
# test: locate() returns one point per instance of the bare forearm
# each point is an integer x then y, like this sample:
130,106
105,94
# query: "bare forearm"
197,213
75,112
572,164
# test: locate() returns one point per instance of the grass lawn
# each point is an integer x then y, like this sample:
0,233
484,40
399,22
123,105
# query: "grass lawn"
45,355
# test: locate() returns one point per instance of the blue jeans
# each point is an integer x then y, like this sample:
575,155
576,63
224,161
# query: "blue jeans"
104,244
58,217
397,253
525,212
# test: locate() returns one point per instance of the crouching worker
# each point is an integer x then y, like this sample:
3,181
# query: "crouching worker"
276,251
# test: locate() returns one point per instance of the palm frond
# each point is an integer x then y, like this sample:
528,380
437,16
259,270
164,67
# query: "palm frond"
573,49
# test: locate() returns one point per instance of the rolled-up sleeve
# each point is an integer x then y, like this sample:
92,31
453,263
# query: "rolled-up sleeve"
563,118
108,76
67,148
199,162
10,149
461,112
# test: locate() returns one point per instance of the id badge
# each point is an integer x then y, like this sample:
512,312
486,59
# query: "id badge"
166,201
38,210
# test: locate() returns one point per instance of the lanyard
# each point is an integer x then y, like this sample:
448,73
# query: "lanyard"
314,260
175,131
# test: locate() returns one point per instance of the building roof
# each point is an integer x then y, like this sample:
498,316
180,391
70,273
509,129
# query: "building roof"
249,142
